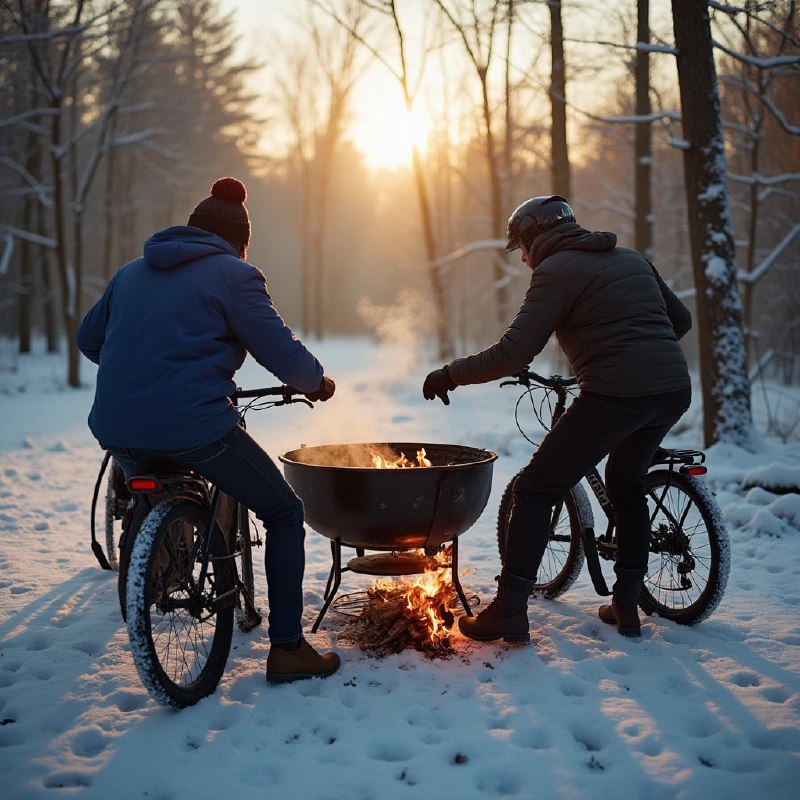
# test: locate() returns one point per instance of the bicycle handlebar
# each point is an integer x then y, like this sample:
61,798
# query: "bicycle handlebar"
525,376
287,392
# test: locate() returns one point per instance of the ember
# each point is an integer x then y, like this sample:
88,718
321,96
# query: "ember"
383,462
404,614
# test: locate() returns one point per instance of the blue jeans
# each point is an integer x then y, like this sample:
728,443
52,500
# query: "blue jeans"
626,429
240,468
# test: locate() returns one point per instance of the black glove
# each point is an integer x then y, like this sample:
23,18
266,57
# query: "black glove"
325,391
438,384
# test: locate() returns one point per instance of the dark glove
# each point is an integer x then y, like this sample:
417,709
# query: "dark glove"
325,391
438,384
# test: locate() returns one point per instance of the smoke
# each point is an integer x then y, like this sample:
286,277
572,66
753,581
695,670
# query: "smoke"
401,328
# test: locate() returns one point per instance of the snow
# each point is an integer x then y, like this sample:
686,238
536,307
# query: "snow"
703,712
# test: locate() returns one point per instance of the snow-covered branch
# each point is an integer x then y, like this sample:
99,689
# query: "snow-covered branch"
759,272
762,180
793,130
761,63
26,115
472,247
28,236
44,36
38,188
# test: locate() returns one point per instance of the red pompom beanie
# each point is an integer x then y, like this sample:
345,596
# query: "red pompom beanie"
223,212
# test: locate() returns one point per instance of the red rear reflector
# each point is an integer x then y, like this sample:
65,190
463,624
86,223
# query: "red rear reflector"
696,470
143,485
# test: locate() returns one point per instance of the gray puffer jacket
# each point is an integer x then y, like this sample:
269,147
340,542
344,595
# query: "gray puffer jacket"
616,320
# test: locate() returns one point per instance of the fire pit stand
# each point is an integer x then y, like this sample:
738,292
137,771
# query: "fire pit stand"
397,512
386,564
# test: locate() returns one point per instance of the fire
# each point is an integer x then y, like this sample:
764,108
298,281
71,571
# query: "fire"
409,613
382,462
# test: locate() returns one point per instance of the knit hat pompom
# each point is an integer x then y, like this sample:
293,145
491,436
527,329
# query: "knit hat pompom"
229,189
223,212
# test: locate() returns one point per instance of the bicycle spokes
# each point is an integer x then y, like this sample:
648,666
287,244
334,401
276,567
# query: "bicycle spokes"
680,562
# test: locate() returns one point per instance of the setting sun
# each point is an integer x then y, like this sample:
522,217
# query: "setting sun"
387,137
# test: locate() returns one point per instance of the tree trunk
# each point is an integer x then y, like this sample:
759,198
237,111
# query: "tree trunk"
559,165
643,208
726,392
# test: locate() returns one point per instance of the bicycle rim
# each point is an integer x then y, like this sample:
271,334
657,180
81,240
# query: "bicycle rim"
564,556
180,639
689,559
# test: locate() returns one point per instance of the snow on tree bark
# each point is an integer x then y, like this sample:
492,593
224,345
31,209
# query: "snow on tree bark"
726,392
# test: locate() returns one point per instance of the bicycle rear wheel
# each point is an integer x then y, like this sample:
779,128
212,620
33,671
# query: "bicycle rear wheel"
180,637
564,555
687,571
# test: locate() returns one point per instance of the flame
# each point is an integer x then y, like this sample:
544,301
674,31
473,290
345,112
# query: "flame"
382,462
428,598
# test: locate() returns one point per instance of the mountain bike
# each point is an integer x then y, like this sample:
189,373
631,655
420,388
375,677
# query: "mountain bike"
689,556
186,570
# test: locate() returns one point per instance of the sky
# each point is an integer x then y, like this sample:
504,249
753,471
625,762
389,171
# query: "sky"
711,711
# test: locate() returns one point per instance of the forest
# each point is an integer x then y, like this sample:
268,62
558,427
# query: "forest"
675,125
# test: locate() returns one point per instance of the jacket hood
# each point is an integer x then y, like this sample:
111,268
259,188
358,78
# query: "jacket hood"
176,246
570,236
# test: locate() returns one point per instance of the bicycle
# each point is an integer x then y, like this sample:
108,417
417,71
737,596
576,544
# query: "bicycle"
689,560
184,558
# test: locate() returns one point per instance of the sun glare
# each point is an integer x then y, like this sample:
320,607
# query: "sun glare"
387,139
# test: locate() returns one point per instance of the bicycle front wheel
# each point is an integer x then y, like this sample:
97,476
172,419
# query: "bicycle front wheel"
689,560
180,632
117,498
564,555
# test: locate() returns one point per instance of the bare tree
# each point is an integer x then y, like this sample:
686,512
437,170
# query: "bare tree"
643,160
398,66
477,30
561,182
726,391
759,66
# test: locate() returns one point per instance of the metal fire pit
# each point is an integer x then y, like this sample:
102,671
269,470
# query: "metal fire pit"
356,505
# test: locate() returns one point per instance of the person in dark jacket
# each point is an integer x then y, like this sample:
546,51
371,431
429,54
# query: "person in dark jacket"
618,324
168,334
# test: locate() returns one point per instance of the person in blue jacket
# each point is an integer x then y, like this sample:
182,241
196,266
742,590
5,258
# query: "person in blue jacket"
168,334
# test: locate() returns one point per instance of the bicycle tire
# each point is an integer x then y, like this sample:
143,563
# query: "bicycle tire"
117,498
179,640
247,614
689,549
564,555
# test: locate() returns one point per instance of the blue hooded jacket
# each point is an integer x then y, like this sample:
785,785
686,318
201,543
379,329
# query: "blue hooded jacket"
170,331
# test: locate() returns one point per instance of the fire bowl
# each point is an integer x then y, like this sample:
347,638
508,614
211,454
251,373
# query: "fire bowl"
345,498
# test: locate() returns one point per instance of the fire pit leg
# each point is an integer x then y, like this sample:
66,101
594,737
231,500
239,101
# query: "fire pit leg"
456,582
335,577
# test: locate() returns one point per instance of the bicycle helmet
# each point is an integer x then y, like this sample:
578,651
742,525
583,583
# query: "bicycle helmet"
536,216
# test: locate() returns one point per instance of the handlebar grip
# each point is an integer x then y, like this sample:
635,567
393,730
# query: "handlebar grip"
270,391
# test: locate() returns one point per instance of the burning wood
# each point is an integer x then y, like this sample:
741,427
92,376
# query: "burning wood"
407,614
380,461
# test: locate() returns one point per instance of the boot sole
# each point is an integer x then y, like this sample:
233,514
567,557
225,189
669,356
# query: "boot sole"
511,638
289,677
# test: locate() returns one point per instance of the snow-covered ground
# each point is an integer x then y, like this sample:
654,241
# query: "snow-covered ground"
706,712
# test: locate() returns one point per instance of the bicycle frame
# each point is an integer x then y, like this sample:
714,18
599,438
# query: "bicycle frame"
604,545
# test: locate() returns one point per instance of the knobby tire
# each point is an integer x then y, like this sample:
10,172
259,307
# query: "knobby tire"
564,555
179,640
689,549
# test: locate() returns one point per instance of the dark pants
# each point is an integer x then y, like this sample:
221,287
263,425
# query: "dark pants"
628,430
240,468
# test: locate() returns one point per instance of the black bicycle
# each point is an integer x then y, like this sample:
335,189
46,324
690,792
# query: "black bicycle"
689,558
184,557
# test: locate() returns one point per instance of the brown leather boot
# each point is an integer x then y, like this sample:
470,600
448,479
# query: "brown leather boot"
285,665
506,617
623,611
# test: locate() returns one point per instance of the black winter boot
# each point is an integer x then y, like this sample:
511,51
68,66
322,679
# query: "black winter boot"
506,617
624,608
